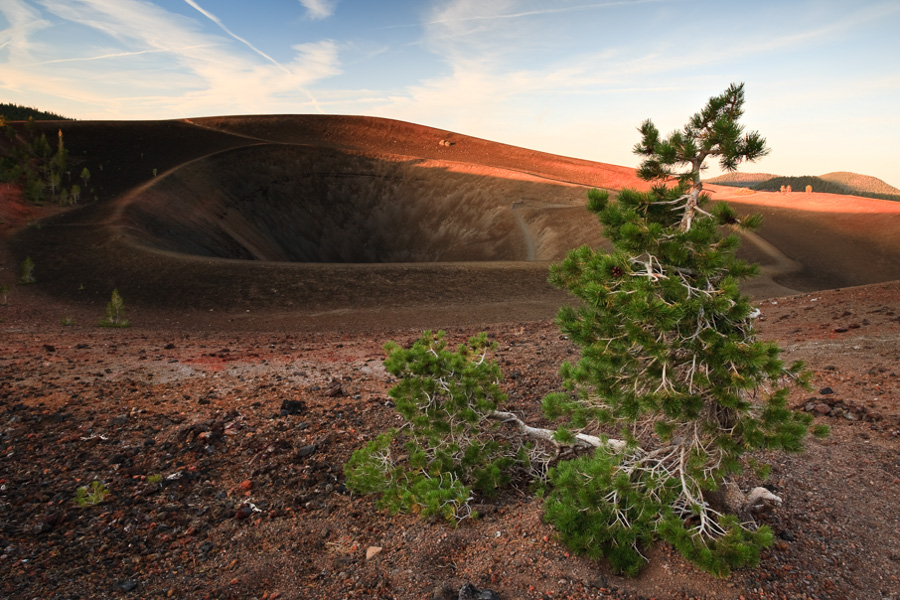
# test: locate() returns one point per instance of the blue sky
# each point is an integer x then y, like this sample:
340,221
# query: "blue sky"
572,77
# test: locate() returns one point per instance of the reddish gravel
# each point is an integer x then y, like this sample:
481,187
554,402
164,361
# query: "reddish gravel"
213,492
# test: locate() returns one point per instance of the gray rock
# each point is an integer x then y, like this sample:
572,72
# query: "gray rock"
307,450
762,501
470,592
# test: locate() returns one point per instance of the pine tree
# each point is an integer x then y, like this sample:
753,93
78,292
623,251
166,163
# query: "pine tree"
670,358
26,272
61,158
115,312
714,131
451,444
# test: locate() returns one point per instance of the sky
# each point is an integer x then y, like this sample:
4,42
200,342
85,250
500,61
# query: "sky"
570,77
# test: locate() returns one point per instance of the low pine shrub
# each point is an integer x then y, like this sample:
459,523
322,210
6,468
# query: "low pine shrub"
115,312
26,272
449,448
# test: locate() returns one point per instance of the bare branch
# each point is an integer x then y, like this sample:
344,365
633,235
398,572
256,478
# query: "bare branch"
581,439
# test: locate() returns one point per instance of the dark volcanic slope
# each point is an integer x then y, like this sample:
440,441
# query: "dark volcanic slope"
225,221
328,216
317,205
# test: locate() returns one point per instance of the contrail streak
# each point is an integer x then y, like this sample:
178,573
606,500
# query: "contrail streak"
533,13
222,26
115,55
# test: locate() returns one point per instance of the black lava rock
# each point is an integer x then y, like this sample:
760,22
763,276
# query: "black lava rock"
292,407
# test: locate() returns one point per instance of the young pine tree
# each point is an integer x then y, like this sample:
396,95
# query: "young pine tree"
670,358
115,312
26,272
451,445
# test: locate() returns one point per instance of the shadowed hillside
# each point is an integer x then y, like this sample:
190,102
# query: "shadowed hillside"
315,205
860,183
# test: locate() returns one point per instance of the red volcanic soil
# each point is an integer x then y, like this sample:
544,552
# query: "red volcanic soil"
215,492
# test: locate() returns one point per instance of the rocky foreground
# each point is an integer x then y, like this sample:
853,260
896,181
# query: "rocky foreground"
218,463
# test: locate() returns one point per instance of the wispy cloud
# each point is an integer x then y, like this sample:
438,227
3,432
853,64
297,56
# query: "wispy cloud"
160,64
115,55
311,52
319,9
460,12
482,45
23,21
222,26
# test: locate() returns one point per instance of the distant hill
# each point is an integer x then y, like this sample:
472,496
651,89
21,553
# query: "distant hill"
14,112
842,182
862,183
741,179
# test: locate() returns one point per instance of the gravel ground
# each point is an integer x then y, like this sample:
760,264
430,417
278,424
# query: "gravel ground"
222,455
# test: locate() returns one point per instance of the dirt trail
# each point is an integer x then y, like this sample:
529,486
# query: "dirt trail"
530,246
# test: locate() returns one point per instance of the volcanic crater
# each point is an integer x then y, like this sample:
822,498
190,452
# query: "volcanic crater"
349,220
278,202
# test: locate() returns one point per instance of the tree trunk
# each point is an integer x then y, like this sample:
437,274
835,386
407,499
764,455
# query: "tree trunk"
729,498
690,207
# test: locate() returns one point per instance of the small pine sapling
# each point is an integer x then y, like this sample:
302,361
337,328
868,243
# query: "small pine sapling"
451,445
670,358
115,312
26,272
91,495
